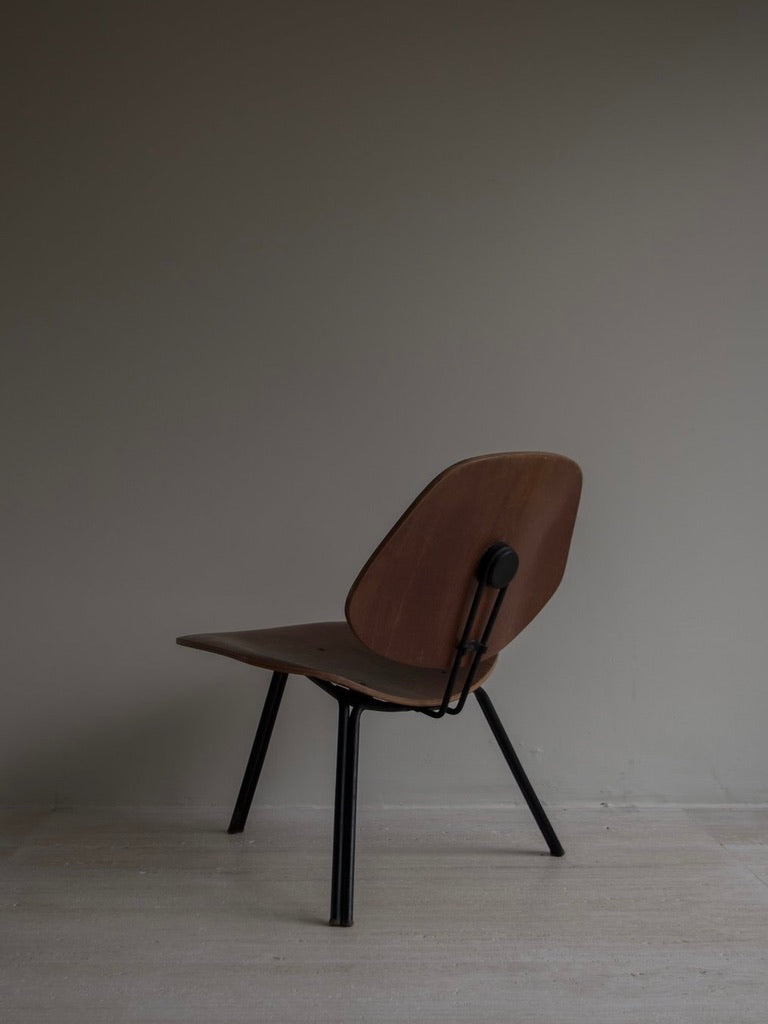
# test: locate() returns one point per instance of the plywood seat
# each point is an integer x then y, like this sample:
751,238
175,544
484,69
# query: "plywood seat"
331,651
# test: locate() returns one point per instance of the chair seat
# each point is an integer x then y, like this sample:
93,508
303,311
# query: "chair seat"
331,651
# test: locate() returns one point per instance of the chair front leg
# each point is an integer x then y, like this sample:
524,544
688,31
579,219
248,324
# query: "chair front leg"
338,805
344,817
258,752
498,730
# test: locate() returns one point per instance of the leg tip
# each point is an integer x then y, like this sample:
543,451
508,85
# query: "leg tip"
336,923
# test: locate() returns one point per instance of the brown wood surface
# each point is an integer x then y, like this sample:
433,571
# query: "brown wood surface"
410,600
331,651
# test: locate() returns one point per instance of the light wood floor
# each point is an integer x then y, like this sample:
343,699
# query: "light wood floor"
654,915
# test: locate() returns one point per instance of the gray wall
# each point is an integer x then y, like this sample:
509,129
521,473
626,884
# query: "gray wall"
270,267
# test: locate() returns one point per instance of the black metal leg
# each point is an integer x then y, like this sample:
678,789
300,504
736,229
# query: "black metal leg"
343,877
258,752
555,848
341,748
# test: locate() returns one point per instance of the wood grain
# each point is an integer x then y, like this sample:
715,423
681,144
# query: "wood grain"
331,651
409,601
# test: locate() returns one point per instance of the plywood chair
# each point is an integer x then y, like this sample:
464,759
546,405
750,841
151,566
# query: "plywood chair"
472,561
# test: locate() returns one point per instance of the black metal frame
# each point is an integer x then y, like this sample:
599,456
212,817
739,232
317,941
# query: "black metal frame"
495,571
258,752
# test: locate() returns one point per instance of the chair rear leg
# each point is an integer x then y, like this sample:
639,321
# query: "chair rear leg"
344,818
555,847
258,752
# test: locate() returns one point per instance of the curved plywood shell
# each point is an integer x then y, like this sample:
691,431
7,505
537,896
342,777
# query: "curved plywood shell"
331,651
410,600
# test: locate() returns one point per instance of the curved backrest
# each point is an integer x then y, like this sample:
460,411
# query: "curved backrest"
410,601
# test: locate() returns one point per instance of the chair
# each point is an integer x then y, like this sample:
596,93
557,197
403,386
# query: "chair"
472,561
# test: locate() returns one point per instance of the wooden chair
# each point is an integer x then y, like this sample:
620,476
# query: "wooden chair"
472,561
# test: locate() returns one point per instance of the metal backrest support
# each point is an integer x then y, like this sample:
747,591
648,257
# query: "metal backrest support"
496,570
411,600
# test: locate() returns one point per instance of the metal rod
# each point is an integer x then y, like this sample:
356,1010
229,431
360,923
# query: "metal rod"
496,570
342,909
258,752
351,697
338,804
480,650
461,650
555,848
